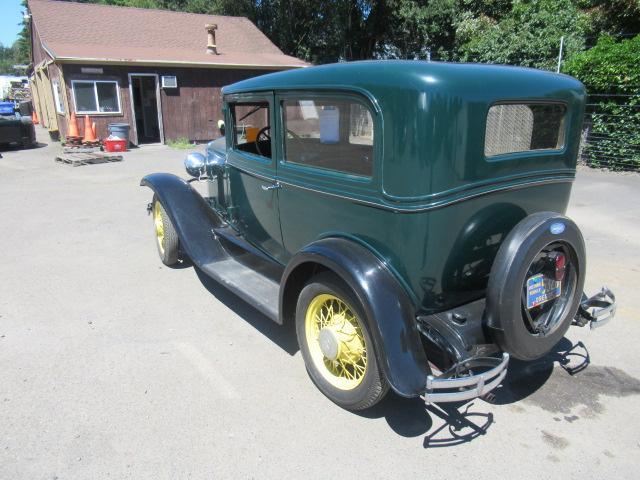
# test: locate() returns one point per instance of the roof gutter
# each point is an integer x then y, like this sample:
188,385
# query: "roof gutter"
173,63
48,51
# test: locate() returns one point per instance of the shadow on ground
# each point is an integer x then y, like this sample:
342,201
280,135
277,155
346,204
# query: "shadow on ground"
557,383
13,148
283,336
451,424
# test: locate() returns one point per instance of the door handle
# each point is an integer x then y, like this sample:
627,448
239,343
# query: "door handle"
274,186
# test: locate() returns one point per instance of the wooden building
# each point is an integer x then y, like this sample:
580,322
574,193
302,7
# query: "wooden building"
159,71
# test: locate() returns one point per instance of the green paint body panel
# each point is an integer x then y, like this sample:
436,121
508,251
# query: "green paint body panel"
435,209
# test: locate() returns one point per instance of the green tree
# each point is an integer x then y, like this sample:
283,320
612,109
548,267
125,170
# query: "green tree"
614,17
528,35
22,46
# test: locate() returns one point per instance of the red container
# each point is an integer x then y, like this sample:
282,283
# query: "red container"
115,145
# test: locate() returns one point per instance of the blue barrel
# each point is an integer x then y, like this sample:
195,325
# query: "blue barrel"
119,130
7,108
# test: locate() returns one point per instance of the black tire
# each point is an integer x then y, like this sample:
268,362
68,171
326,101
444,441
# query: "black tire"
506,311
169,244
373,386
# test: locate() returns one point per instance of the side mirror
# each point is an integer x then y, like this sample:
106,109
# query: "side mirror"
195,164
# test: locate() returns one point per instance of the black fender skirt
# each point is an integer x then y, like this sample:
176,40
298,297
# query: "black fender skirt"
390,313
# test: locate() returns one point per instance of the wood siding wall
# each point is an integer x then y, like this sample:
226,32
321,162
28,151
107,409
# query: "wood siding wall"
37,51
191,111
40,84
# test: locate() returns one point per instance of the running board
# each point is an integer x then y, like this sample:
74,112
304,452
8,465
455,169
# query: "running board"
251,286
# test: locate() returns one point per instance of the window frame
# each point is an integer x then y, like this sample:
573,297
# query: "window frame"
354,97
242,158
57,96
564,130
95,92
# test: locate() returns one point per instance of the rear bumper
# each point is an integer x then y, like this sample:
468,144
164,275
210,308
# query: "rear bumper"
458,341
596,310
459,384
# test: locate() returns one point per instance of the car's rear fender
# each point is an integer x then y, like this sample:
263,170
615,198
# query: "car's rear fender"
390,313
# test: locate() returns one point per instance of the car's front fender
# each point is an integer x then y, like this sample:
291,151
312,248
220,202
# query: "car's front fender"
190,214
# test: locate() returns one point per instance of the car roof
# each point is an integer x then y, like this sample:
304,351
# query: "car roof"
434,116
377,76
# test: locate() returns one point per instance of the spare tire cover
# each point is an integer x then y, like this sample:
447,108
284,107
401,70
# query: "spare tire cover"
505,310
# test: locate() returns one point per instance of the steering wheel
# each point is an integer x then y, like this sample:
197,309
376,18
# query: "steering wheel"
265,135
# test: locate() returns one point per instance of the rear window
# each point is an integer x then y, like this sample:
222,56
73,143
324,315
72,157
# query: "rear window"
524,127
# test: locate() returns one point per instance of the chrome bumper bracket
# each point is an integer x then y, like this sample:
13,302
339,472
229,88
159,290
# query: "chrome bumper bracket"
596,310
459,384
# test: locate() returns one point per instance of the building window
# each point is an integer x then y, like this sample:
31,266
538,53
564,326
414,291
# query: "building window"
329,133
524,127
96,96
57,96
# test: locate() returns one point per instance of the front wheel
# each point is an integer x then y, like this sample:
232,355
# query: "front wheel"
166,235
336,344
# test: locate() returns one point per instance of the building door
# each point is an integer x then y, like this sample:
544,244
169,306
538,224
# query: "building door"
147,116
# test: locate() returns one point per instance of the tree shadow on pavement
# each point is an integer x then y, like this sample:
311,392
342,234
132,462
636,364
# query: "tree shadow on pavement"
281,335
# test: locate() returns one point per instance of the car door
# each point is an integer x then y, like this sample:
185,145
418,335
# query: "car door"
326,160
252,171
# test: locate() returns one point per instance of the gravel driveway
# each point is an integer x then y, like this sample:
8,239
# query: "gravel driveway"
114,366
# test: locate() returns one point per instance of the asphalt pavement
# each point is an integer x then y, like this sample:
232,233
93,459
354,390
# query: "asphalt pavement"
115,366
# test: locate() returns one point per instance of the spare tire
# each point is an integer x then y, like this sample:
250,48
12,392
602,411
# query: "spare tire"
535,285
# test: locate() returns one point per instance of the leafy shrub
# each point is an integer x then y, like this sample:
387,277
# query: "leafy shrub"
611,73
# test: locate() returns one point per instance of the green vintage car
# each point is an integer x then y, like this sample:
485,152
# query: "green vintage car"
407,217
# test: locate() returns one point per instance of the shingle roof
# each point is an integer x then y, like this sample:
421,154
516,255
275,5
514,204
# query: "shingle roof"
72,31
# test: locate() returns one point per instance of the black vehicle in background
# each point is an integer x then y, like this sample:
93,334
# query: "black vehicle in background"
15,129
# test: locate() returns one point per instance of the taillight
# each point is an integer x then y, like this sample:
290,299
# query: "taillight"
561,263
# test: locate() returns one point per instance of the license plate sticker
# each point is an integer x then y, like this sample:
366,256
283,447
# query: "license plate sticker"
541,289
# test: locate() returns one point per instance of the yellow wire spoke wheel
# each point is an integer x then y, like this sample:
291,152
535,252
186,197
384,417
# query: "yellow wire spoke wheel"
335,341
166,236
159,224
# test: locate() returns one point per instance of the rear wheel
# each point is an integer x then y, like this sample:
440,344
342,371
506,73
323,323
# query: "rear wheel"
166,235
336,344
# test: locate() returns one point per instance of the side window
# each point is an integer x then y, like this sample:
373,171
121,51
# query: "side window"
57,96
333,134
96,96
251,129
524,127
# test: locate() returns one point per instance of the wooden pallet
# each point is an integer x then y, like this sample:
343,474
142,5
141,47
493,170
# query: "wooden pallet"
78,159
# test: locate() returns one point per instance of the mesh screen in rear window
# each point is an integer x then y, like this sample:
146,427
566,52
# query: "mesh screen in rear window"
524,127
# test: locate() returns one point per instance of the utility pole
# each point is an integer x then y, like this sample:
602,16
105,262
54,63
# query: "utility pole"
560,54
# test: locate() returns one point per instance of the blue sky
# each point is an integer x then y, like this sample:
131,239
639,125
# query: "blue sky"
10,18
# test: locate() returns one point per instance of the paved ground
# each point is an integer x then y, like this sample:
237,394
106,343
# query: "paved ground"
114,366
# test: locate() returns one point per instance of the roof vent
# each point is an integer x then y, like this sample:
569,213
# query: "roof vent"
211,38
